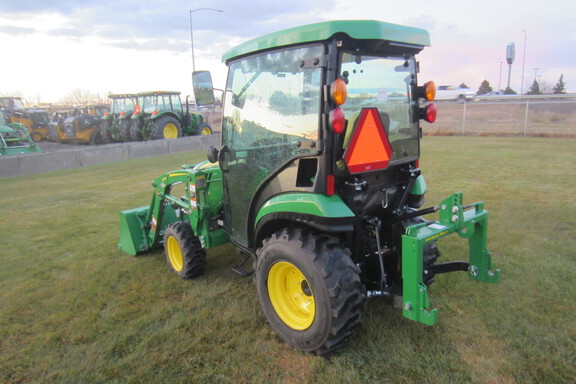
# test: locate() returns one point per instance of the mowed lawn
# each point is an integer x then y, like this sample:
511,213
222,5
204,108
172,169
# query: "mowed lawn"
75,309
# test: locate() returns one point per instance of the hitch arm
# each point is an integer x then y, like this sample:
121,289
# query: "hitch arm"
471,224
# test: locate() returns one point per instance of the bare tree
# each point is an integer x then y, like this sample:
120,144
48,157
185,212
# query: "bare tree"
79,97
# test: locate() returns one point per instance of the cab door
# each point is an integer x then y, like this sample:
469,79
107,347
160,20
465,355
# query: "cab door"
271,112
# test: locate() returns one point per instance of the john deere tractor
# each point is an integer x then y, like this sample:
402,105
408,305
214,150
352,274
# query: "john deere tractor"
160,115
317,182
116,123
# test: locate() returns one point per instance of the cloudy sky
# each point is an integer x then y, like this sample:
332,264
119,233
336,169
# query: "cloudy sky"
113,46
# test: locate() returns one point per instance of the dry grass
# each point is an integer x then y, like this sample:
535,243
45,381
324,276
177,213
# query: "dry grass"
504,119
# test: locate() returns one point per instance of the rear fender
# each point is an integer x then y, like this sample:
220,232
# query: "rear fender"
326,213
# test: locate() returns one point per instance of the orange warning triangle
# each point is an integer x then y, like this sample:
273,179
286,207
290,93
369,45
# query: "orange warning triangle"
369,148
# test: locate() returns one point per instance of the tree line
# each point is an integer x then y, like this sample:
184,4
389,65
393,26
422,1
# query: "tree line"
536,88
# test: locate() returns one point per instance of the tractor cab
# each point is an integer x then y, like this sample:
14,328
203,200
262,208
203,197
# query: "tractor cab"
328,118
116,123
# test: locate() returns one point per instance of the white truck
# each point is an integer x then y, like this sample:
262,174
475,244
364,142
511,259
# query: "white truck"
449,92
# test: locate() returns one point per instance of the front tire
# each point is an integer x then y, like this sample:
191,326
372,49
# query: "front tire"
309,289
184,251
204,129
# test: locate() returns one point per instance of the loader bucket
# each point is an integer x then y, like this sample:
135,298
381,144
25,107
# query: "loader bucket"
132,231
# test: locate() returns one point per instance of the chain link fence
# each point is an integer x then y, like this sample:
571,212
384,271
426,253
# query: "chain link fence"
535,116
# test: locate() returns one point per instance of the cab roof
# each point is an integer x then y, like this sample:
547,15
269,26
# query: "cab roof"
356,29
152,93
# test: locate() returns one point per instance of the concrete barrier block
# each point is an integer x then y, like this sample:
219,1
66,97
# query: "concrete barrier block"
47,162
147,149
9,166
183,144
104,154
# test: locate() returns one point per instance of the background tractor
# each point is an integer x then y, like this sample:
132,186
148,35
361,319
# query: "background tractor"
14,138
160,115
317,182
34,119
116,123
84,125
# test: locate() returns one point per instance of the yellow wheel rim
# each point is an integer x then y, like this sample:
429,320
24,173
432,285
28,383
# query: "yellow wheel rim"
291,296
170,131
206,131
174,254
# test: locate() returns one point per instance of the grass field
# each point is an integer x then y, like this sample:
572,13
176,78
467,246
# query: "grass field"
74,309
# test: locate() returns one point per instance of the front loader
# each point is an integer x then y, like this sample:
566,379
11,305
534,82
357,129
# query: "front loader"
317,181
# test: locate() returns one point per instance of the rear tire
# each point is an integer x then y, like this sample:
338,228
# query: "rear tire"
184,251
105,133
125,129
166,127
135,134
309,289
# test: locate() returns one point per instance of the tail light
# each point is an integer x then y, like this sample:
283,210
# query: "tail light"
137,109
429,113
337,120
428,93
338,94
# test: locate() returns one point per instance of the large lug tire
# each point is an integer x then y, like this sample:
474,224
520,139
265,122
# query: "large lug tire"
184,251
309,289
105,134
135,134
166,127
125,129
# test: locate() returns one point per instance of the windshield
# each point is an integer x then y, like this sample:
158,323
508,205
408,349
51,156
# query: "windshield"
123,105
383,83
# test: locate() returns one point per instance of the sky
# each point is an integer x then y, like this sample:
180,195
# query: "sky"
51,48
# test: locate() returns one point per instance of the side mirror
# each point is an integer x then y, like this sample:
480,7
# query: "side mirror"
213,154
203,87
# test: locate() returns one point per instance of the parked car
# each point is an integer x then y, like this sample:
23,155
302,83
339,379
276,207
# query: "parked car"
449,92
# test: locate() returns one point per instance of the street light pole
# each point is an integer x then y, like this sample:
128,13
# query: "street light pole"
192,35
523,62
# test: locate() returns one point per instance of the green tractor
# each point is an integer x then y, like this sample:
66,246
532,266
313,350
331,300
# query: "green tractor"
116,123
14,138
160,115
317,182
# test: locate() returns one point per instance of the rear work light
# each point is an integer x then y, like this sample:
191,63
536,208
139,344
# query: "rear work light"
427,91
339,92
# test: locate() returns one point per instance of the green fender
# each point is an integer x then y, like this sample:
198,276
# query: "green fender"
328,213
